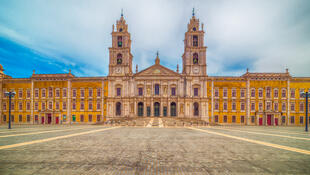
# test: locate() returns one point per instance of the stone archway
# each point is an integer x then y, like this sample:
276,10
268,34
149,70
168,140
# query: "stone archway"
118,110
173,109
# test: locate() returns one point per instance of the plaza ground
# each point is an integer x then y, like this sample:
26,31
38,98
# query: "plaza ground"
153,148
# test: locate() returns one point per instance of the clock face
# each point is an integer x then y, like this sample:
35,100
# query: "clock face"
196,70
118,70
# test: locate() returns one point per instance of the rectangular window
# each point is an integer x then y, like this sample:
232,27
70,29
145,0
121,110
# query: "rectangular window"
252,106
57,93
64,92
20,94
12,118
36,106
36,118
283,107
156,89
82,93
253,119
148,111
82,106
283,119
140,91
252,92
20,118
74,93
98,118
224,92
233,106
20,106
90,92
57,105
234,119
98,105
73,105
4,106
242,106
73,118
260,93
64,105
242,94
99,92
301,107
195,91
234,93
173,91
268,92
301,119
242,119
292,93
118,91
260,106
216,118
64,118
119,41
90,118
13,106
90,105
28,118
292,106
43,93
4,118
283,93
81,118
28,93
276,93
225,106
50,105
216,106
276,106
43,106
216,93
36,93
50,92
292,119
225,119
268,106
28,105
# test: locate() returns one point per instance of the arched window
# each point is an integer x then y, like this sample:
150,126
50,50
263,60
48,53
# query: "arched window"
195,40
118,108
119,41
196,109
173,109
195,58
119,58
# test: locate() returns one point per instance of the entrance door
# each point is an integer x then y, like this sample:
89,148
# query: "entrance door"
42,120
269,119
276,121
140,109
173,109
196,109
156,109
49,118
57,120
260,121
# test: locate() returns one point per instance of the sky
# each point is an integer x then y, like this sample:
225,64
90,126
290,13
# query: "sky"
53,36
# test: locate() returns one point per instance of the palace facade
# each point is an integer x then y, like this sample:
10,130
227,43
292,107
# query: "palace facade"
250,99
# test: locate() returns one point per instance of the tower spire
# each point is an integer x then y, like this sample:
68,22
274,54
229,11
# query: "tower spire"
193,13
122,14
157,60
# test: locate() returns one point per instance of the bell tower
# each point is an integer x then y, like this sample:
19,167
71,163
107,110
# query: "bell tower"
120,62
194,57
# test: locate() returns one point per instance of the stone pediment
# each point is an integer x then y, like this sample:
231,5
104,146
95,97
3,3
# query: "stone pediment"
157,70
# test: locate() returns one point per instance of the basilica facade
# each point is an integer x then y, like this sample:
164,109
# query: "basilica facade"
157,91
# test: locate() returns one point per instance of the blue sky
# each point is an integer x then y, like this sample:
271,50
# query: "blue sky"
53,36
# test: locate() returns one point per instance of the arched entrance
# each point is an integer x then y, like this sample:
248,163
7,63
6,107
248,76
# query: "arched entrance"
156,109
118,109
196,109
140,109
173,109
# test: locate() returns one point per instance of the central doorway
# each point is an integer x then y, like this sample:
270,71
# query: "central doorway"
49,118
140,109
156,109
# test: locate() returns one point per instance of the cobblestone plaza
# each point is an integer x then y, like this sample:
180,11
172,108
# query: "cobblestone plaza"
154,147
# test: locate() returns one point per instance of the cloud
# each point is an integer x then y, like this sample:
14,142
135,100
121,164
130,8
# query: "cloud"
266,36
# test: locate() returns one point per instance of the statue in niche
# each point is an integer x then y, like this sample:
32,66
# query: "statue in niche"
181,108
148,91
165,90
132,108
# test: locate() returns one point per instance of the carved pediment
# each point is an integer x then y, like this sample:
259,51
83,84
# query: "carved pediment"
157,70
